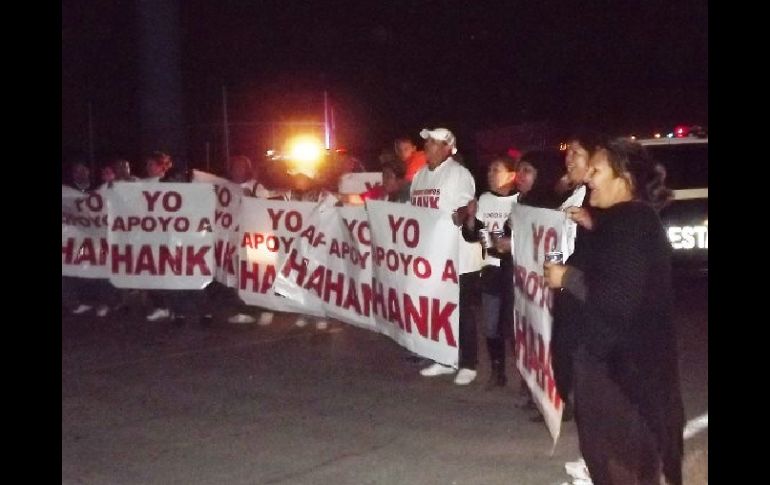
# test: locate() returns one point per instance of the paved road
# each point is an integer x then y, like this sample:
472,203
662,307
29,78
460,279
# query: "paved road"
154,403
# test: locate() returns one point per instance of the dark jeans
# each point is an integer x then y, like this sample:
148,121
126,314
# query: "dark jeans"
181,303
88,291
470,292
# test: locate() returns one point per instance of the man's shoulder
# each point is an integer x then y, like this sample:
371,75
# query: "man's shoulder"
458,170
455,165
449,167
421,174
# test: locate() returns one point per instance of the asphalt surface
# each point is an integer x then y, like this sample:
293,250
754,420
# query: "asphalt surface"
147,403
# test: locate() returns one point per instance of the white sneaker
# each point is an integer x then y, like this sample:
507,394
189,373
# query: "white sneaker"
241,318
266,318
158,314
321,324
81,309
436,369
465,377
102,311
300,322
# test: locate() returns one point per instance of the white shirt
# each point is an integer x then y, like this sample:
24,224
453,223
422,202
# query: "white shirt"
570,232
256,189
576,199
493,211
446,188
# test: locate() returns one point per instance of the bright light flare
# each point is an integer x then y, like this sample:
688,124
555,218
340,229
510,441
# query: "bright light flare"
306,150
305,155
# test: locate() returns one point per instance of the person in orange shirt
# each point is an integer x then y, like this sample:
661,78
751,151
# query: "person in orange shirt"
412,158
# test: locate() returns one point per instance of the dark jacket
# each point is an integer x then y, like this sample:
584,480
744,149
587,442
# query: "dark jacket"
626,318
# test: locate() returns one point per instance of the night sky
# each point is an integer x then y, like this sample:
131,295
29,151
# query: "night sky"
392,67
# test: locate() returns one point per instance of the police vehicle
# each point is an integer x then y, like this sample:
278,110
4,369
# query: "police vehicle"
684,154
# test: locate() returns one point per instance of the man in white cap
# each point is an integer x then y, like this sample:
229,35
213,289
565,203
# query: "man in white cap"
446,185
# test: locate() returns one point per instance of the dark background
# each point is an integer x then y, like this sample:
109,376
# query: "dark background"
390,68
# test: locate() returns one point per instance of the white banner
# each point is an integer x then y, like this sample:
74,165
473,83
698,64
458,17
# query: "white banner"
269,229
415,293
84,247
358,182
536,232
332,267
161,235
226,230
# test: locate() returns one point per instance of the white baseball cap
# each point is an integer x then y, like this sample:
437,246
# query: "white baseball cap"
440,134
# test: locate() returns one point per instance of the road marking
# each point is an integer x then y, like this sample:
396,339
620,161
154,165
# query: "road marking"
687,194
696,425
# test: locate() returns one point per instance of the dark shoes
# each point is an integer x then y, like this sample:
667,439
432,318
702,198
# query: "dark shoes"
496,379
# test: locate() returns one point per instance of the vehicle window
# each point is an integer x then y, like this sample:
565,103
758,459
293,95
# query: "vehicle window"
687,166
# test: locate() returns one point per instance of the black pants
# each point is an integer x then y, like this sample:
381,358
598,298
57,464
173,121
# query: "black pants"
470,292
615,441
88,291
182,303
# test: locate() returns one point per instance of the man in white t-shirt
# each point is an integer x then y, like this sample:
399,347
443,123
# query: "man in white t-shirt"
445,185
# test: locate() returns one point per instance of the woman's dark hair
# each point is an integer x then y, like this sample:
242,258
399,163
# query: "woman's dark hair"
509,163
240,158
395,166
550,168
403,139
159,157
71,165
589,139
177,174
69,177
647,177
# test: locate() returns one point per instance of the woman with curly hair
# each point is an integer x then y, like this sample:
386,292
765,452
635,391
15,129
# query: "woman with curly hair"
628,403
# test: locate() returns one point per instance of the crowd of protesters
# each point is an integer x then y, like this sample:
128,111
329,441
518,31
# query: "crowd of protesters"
613,347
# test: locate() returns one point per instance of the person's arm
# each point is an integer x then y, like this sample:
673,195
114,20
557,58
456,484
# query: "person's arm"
574,282
465,188
582,216
471,231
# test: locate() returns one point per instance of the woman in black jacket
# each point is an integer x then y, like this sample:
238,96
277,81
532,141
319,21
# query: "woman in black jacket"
628,403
